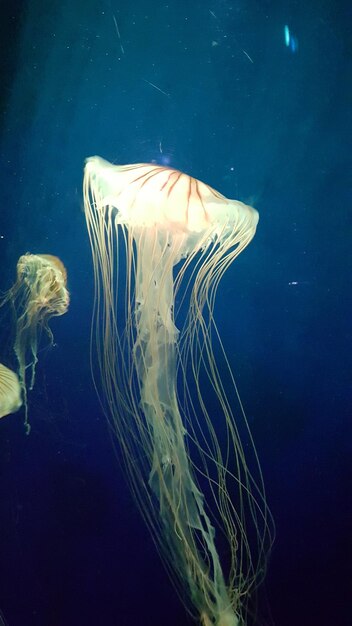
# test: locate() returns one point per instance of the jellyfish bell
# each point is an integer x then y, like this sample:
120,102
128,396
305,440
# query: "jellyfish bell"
150,374
10,391
39,293
45,278
153,195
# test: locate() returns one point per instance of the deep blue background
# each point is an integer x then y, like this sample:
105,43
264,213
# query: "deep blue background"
272,130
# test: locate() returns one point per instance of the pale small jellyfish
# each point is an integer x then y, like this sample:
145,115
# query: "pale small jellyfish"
161,241
39,293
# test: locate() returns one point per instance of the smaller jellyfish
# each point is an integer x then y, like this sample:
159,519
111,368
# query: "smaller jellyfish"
10,391
38,294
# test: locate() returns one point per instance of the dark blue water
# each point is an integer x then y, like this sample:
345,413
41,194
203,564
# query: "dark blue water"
223,91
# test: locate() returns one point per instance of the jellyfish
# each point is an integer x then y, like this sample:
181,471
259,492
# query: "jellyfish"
10,391
38,294
161,242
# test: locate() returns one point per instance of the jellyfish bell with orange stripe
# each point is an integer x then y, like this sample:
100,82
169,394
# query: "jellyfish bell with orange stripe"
161,241
39,293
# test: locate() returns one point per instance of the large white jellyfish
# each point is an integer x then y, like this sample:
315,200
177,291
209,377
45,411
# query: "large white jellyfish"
161,239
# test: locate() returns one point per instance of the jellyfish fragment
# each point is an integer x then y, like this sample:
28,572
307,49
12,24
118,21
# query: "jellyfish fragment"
161,241
10,391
